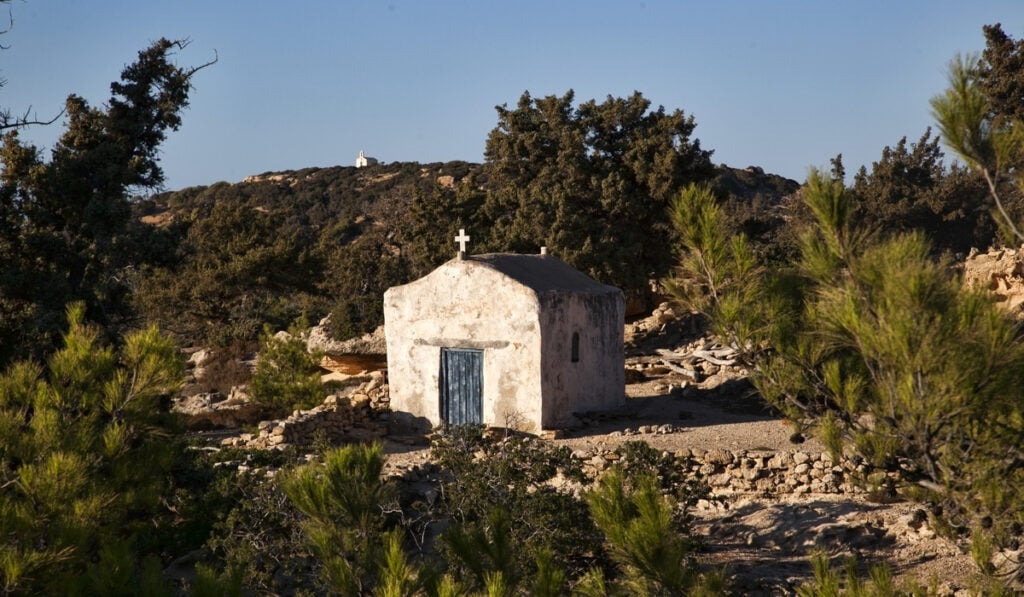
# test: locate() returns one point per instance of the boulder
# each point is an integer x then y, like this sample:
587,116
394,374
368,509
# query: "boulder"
1000,272
319,338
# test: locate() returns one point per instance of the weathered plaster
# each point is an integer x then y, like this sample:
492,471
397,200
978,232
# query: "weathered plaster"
525,335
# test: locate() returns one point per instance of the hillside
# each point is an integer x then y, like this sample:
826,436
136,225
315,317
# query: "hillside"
330,240
323,196
318,197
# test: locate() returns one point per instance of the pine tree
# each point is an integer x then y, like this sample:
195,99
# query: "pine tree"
344,499
65,228
879,346
287,374
637,521
85,452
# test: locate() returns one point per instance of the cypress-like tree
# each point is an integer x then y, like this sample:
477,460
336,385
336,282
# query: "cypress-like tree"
592,182
65,228
981,119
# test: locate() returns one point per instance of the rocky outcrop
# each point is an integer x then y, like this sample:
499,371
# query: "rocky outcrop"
753,184
1000,271
320,339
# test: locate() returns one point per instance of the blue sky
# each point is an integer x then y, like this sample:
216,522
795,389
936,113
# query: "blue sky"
778,84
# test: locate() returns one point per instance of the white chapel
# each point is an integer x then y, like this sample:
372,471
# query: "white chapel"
362,161
495,337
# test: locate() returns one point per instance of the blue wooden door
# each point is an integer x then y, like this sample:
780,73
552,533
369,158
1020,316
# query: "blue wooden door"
462,386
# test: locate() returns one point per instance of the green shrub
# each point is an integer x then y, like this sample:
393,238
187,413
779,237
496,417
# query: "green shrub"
638,522
878,346
287,375
343,500
512,474
259,537
827,581
77,505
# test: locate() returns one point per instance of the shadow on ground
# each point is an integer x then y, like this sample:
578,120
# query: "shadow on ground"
768,548
733,401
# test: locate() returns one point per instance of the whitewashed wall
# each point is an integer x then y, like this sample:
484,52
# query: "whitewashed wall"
525,338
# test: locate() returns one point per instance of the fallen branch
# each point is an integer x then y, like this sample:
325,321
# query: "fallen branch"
714,356
711,357
677,369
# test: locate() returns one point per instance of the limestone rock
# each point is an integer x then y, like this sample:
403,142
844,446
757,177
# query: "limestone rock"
319,338
1001,272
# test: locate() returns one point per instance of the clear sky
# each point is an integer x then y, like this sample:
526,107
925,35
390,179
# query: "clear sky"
784,85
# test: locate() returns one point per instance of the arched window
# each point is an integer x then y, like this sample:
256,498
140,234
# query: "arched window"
575,347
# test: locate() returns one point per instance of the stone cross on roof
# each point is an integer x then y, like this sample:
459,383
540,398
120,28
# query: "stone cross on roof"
462,239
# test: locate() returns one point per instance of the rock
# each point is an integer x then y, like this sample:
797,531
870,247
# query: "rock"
718,456
196,403
239,394
319,338
1002,273
199,358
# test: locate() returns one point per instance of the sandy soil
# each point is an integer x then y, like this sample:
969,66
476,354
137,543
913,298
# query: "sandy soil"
718,413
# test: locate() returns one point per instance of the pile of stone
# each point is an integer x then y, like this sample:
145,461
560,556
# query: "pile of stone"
663,429
340,419
212,410
756,472
373,392
728,473
663,326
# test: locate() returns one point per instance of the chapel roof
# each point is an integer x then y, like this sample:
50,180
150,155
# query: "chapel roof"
541,273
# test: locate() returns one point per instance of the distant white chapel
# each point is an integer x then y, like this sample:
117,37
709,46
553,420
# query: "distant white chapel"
362,161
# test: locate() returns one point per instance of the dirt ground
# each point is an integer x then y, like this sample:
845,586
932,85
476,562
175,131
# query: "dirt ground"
765,544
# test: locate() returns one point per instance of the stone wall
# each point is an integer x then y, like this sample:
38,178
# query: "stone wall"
728,473
356,417
760,472
341,418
